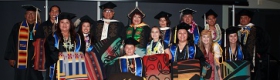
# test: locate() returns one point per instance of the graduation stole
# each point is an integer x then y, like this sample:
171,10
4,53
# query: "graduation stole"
158,49
139,29
218,33
195,31
245,31
238,54
23,36
137,64
190,55
167,36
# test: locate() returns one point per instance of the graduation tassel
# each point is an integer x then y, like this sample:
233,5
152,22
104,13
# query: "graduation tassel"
175,34
56,21
36,15
204,20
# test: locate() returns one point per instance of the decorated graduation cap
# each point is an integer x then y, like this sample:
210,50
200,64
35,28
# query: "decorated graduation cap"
232,30
187,11
108,5
246,13
66,15
136,11
163,14
85,18
30,7
131,41
210,12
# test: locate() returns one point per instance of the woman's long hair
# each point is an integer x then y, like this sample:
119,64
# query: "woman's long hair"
71,31
189,38
80,31
228,46
201,44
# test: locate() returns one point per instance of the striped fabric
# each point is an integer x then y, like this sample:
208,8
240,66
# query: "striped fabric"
71,65
23,37
93,66
39,55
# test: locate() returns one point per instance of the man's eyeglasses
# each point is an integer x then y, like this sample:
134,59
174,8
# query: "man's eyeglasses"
108,10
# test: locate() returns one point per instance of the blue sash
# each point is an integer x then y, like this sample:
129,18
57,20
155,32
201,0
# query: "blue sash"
52,67
196,35
191,52
89,48
239,53
167,37
220,42
138,66
78,43
173,50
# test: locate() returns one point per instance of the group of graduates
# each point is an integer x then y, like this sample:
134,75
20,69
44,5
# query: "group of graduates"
59,49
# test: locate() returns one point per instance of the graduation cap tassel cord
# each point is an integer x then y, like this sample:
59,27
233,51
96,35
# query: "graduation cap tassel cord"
204,20
36,15
136,4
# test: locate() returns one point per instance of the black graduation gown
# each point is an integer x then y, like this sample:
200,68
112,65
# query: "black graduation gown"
11,54
163,33
44,30
114,30
259,38
54,52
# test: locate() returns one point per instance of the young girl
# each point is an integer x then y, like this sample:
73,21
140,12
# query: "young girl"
212,53
157,46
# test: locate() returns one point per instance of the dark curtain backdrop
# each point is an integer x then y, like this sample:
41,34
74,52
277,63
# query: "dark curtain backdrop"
11,13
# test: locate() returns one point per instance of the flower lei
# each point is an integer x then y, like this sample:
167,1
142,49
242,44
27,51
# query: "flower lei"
158,49
218,30
245,32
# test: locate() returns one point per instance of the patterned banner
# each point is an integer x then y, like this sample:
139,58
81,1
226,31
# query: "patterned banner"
235,70
186,70
157,67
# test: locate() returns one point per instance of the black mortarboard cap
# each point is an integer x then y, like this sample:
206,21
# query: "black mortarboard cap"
187,11
183,26
163,14
131,41
66,15
245,12
86,18
108,5
231,30
210,12
30,7
136,11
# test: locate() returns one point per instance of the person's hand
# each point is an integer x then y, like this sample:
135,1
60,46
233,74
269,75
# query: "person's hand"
12,63
206,68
